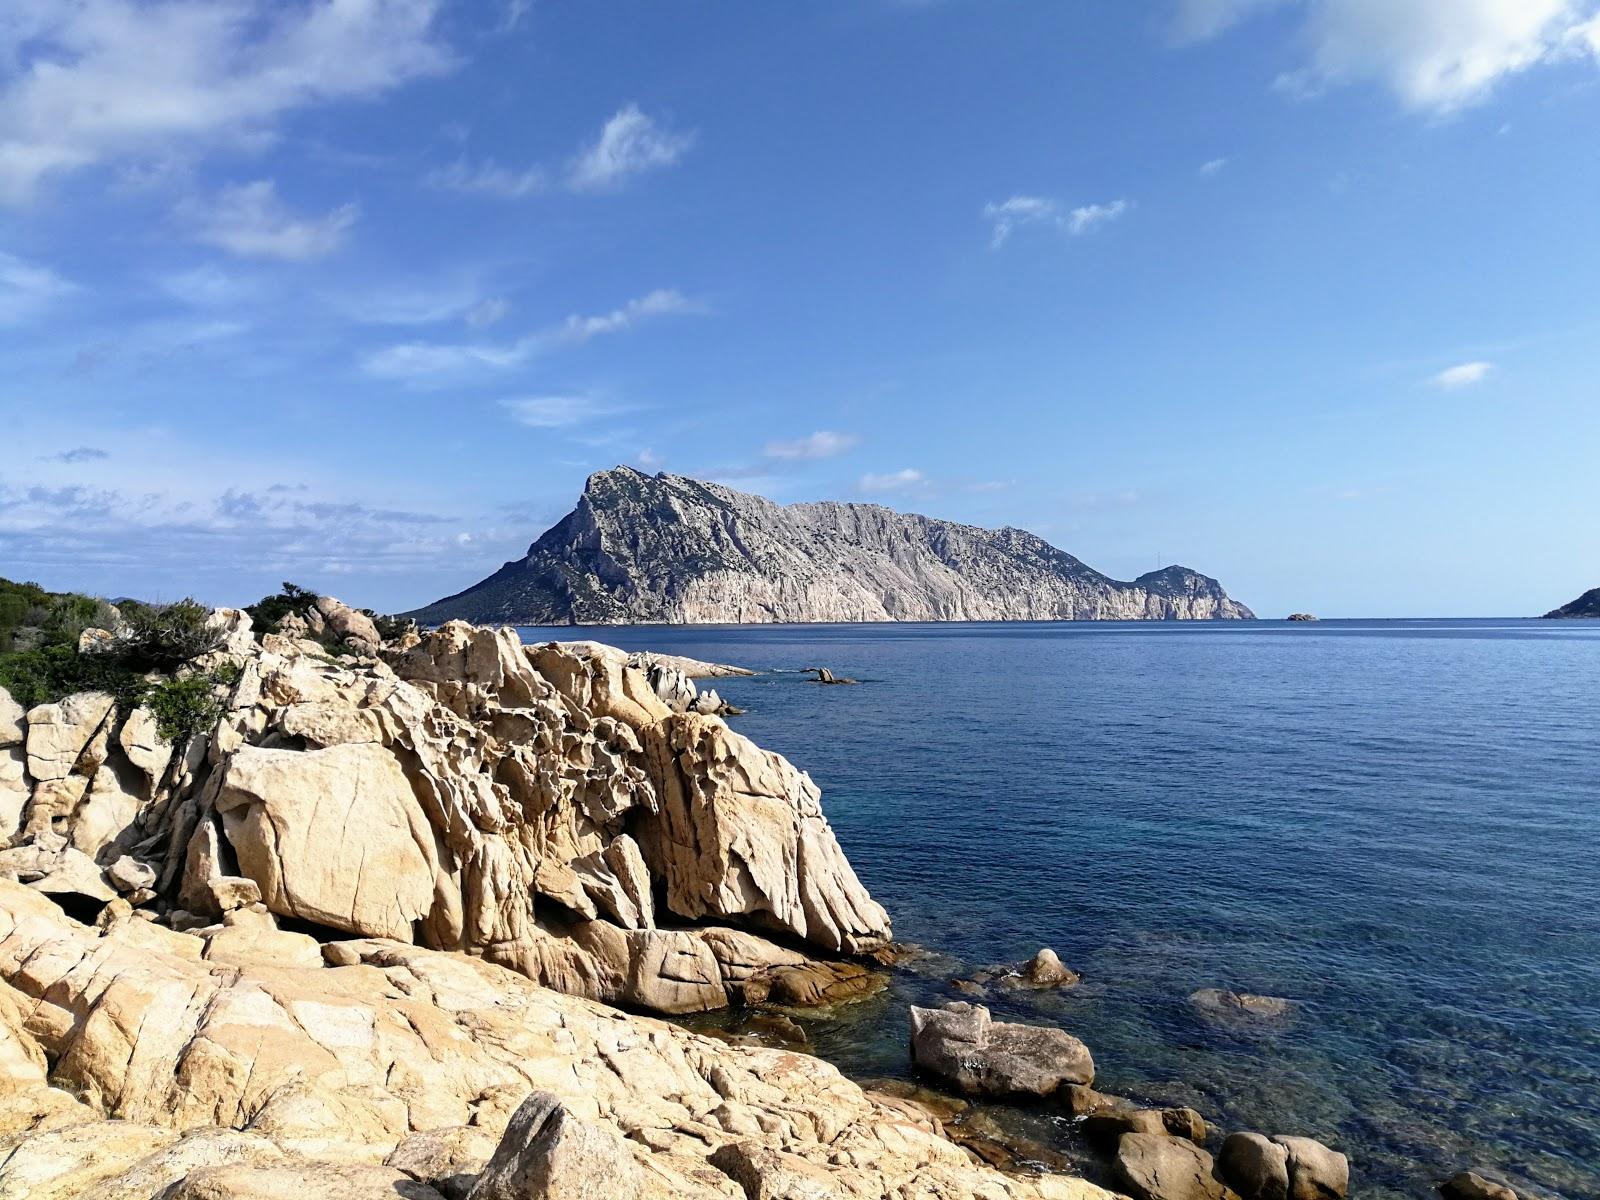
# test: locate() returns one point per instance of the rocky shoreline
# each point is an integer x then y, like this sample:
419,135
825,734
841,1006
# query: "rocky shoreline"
388,923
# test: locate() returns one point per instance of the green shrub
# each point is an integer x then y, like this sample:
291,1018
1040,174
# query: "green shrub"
161,637
187,706
49,673
266,612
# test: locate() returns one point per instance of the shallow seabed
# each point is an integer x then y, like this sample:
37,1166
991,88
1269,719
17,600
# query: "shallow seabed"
1394,823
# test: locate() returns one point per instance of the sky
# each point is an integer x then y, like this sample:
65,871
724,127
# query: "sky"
1304,294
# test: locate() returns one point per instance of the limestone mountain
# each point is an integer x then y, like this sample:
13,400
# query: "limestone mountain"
1586,605
641,549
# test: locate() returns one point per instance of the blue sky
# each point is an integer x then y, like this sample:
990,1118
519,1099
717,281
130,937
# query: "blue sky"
1301,293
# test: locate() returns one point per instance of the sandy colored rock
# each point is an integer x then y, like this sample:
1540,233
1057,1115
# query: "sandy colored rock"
345,1063
301,1181
13,721
145,748
1469,1185
982,1057
1315,1171
448,1160
151,1176
14,791
63,1164
68,735
1255,1166
1152,1166
740,832
287,814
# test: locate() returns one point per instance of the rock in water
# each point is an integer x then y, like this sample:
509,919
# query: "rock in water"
1257,1167
1469,1185
982,1057
1218,1003
1152,1166
664,548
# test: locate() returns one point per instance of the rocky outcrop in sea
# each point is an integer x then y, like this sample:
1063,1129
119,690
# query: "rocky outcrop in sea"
642,549
1585,607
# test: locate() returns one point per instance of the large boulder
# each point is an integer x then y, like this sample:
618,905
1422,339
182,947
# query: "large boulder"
740,833
68,737
1315,1172
333,836
301,1181
1151,1166
549,1153
1283,1168
1255,1166
979,1056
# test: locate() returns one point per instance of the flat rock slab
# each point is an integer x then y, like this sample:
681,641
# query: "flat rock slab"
979,1056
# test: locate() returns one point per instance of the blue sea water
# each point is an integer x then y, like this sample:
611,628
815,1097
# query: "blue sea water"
1394,823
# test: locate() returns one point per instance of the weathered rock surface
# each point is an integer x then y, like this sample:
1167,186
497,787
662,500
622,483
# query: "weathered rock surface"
664,548
1283,1168
1469,1185
981,1057
539,806
395,1074
1152,1166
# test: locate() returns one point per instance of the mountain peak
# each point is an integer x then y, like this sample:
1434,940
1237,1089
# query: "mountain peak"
643,548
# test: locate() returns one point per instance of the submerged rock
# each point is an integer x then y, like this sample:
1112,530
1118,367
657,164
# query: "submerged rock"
1219,1003
1469,1185
960,1044
1044,970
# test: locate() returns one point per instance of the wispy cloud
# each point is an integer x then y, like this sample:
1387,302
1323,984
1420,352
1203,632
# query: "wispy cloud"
822,444
1007,216
1433,55
78,454
488,178
630,143
27,289
892,481
1462,375
142,80
250,221
558,412
1213,166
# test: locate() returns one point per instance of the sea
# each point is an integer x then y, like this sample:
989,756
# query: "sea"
1393,824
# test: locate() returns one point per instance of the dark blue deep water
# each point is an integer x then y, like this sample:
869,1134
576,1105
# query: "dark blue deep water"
1394,823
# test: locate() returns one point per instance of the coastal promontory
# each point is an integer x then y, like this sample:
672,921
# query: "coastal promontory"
1586,606
644,549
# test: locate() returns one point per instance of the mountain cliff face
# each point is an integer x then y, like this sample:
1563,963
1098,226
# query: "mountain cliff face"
1585,606
641,549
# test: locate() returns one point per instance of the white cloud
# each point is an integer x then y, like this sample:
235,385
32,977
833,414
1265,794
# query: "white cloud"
487,312
27,289
1213,166
659,303
1197,20
1464,375
488,178
1008,216
1090,216
208,286
648,460
893,481
102,80
419,361
249,220
822,444
629,144
559,412
1434,55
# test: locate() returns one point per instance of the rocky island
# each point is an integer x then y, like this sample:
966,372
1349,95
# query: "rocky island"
1586,606
645,549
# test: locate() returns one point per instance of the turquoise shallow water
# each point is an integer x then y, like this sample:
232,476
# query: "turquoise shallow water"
1394,823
